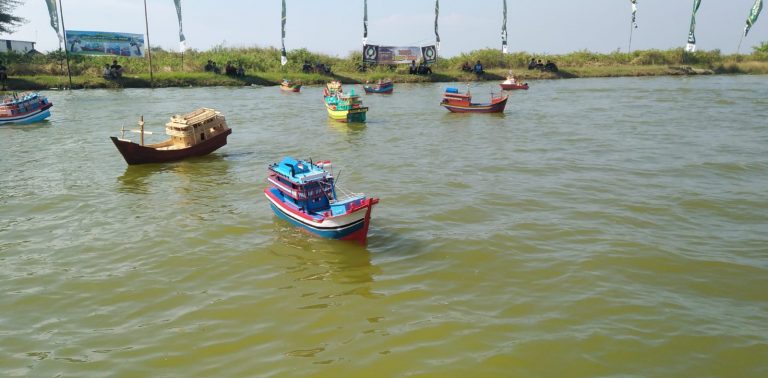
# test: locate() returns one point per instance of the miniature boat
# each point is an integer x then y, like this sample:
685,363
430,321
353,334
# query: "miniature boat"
24,108
194,134
512,84
509,86
305,194
385,87
341,106
462,103
290,86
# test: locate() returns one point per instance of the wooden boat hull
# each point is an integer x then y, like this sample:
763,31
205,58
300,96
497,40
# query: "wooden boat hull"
383,89
512,87
351,115
38,115
134,153
494,107
353,226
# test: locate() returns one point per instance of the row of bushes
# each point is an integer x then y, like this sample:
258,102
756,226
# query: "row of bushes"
257,59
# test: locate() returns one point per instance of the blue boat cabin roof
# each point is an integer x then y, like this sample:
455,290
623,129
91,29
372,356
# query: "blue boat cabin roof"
299,171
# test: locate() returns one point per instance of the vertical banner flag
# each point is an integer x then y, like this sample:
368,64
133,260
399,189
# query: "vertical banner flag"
54,13
752,18
365,22
691,46
437,12
182,39
504,30
283,55
634,13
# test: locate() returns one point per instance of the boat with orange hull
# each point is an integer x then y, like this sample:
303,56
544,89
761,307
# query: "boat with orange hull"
462,102
195,134
513,86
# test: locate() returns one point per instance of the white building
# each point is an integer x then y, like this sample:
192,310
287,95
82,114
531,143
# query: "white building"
21,47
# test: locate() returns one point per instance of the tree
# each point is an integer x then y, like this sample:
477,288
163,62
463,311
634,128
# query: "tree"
8,21
763,48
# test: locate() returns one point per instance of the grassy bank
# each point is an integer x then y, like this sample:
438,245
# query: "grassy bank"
262,67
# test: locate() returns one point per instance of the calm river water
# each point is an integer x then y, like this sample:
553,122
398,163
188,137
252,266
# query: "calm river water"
599,227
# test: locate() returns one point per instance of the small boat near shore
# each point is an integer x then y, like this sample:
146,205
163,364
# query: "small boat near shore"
290,86
306,195
194,134
511,84
507,86
383,87
343,107
24,108
462,102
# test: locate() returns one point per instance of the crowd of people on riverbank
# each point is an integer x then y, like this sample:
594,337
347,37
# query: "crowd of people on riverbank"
550,66
229,69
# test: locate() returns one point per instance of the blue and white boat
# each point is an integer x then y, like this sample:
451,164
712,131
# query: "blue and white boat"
24,108
305,194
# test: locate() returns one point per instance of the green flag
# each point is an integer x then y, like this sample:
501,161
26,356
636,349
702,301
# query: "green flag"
283,55
752,18
691,46
54,13
365,22
182,39
504,30
437,12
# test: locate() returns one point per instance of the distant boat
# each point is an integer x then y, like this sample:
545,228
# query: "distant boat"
343,107
194,134
462,102
290,86
384,87
511,84
306,195
24,108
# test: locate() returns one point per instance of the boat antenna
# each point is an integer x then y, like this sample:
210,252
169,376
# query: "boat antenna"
122,131
141,124
335,180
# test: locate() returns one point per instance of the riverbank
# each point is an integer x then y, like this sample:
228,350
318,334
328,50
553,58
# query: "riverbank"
399,75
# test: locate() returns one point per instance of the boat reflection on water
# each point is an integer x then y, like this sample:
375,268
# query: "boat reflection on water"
208,170
308,259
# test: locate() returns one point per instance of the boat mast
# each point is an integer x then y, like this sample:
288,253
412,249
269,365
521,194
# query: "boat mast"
141,127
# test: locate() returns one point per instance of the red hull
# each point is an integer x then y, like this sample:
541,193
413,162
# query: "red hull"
510,87
137,154
495,107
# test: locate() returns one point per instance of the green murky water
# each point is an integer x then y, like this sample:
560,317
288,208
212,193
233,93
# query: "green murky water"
599,227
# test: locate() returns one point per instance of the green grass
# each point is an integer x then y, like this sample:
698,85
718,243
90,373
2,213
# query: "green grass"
263,67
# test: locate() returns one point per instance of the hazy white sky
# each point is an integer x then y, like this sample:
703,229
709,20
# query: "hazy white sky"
336,26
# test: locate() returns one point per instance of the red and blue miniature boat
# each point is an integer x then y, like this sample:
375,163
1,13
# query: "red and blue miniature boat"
24,108
462,103
384,87
305,194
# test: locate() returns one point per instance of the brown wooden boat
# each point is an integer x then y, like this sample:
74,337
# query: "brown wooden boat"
195,134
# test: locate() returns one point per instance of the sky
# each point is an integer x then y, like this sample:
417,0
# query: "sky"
335,27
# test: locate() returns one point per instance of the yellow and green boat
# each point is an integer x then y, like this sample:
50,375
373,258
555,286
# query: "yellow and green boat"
343,107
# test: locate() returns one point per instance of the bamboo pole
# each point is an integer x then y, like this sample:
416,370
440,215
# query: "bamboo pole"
66,51
149,49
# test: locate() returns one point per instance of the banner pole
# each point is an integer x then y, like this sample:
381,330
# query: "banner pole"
66,51
149,49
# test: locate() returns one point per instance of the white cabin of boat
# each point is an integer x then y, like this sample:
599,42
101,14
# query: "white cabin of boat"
195,127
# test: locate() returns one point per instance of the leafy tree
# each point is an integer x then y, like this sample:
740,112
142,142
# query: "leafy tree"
763,48
8,21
